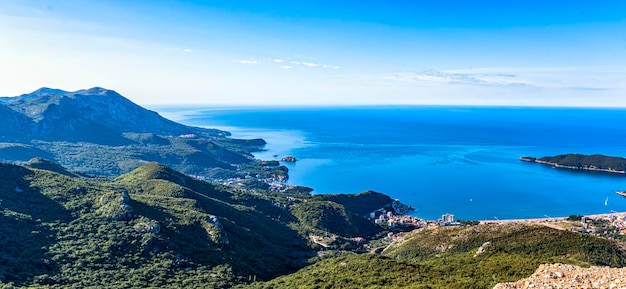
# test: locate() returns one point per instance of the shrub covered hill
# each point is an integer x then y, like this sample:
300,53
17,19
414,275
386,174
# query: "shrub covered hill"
478,256
156,227
98,131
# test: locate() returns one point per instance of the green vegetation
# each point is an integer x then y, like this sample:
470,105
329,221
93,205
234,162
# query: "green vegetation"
361,204
575,218
358,271
330,217
156,227
587,162
152,227
202,157
447,257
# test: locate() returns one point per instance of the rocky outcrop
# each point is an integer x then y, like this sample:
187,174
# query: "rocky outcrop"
216,231
400,208
569,276
146,225
116,207
483,248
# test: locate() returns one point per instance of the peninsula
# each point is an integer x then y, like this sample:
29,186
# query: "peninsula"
599,163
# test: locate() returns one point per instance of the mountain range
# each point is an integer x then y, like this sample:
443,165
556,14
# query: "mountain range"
100,132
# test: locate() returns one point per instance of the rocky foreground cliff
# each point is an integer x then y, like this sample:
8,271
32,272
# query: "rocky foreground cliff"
570,276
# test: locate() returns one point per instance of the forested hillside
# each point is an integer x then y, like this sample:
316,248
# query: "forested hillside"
457,257
152,227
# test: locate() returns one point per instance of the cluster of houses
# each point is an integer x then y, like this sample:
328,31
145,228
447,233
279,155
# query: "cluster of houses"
276,184
388,217
617,221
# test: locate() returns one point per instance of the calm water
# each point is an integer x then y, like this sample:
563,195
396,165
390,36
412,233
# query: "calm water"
460,160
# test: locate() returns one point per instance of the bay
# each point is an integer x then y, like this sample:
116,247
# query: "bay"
459,160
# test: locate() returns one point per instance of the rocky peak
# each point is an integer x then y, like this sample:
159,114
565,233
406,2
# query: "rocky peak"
95,115
95,91
44,91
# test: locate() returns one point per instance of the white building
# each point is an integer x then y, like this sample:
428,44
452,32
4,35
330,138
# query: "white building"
446,219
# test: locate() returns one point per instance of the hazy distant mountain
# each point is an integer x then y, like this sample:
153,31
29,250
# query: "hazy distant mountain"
98,131
95,115
15,126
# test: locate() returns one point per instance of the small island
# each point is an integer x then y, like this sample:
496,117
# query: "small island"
599,163
290,159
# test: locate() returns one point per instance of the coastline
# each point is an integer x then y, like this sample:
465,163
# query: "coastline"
422,176
550,219
590,168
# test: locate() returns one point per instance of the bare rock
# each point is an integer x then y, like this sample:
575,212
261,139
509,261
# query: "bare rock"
216,231
482,248
146,225
570,276
116,207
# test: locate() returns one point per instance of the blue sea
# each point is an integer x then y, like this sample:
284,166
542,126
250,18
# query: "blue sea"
459,160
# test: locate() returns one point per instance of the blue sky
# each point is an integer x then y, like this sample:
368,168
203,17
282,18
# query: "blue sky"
537,53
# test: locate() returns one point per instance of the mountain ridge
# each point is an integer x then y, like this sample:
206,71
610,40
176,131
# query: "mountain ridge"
62,115
98,131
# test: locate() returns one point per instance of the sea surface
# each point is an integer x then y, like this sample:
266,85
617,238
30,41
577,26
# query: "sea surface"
458,160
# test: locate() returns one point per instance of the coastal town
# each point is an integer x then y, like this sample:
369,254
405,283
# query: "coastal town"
611,226
399,223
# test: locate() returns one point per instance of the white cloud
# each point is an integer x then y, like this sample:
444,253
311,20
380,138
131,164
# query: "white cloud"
310,64
247,61
580,78
452,77
286,63
544,86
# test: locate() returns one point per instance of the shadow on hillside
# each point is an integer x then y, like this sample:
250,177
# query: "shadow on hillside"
259,243
25,234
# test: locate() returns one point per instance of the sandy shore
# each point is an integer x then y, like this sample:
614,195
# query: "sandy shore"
548,220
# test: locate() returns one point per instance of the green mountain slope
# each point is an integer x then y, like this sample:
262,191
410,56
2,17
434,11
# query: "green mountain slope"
446,257
151,227
329,217
361,204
